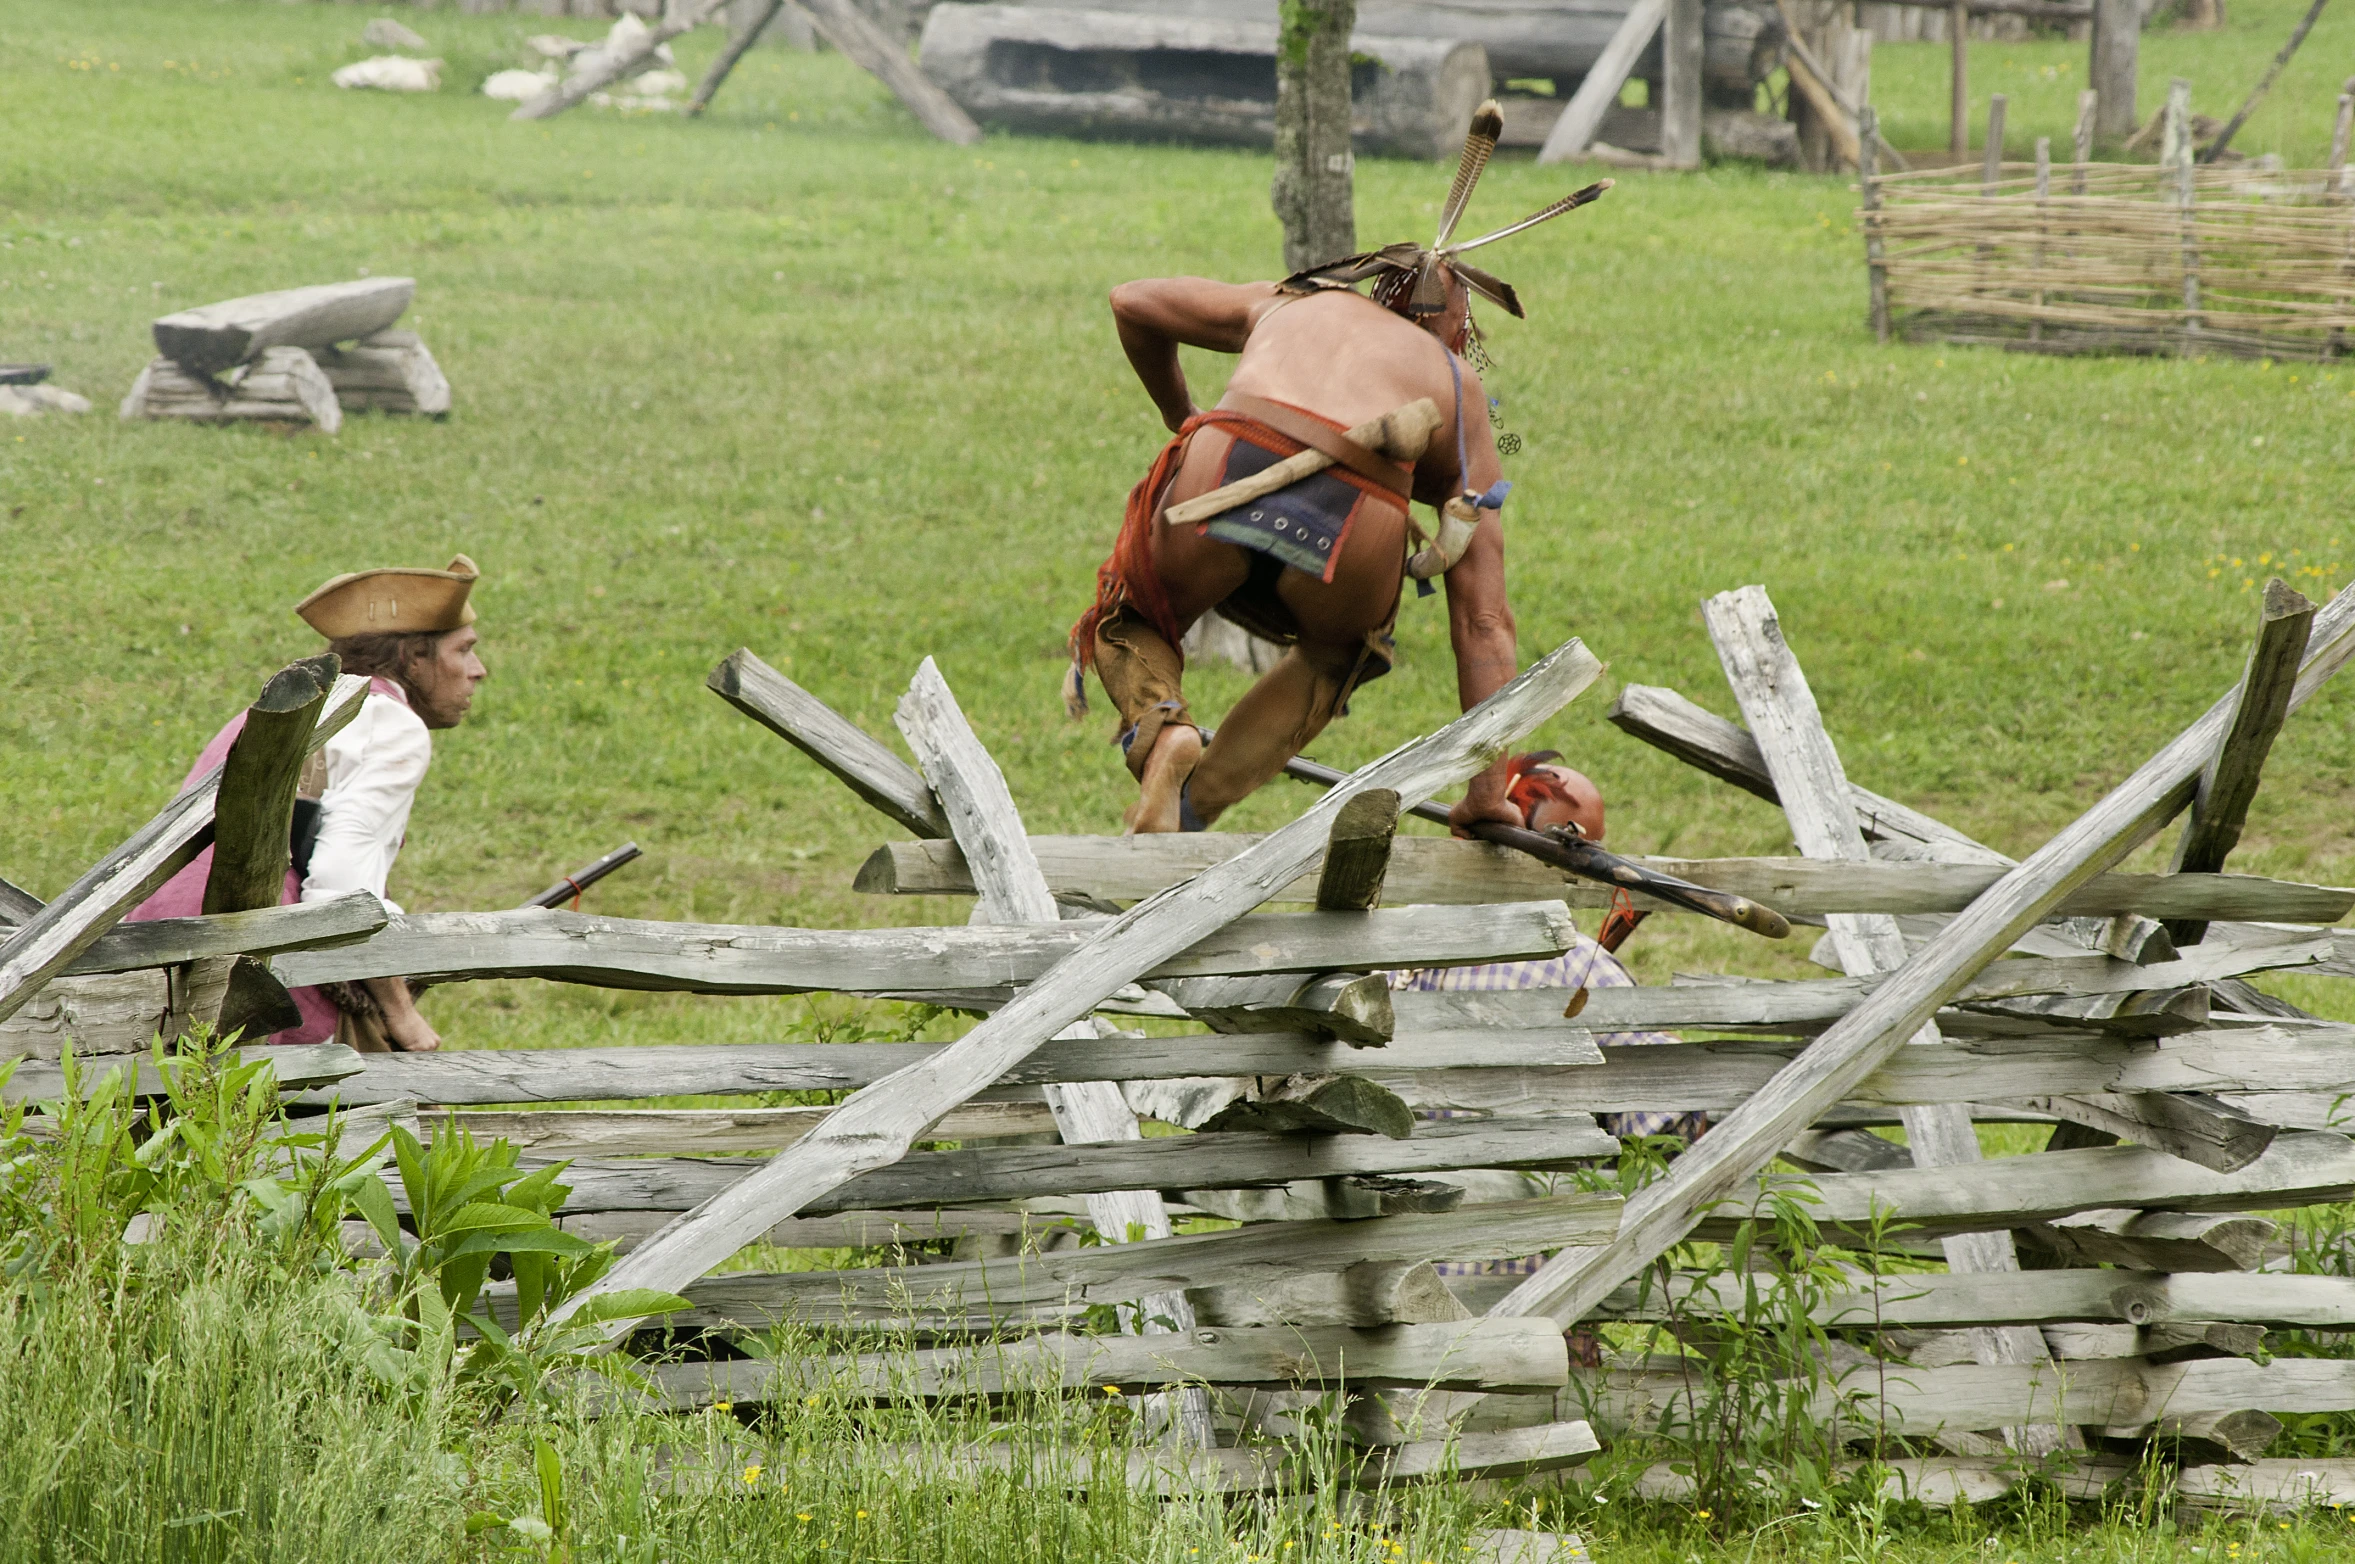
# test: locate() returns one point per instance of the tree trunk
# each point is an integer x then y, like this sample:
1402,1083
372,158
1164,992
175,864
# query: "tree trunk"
1313,160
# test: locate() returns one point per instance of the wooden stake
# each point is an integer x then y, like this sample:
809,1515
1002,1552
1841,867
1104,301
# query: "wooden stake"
818,731
1681,50
1958,23
255,810
45,943
1735,1149
2081,143
2339,132
735,50
1868,170
875,1127
2264,84
973,793
1358,856
1583,115
2117,38
1992,170
2229,784
1780,708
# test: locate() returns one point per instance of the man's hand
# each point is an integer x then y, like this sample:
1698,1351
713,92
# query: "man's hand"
1483,805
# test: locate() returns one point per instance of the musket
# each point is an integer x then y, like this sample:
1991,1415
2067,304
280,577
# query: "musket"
570,887
1575,855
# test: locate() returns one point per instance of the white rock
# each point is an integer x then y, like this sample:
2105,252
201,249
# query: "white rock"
385,33
518,86
392,73
29,401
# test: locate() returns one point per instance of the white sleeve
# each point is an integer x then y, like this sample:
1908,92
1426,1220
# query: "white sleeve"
373,769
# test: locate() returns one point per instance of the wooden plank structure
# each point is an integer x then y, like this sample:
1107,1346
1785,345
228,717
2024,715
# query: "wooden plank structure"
274,357
1386,1164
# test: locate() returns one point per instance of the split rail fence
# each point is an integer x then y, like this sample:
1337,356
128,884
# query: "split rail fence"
1396,1162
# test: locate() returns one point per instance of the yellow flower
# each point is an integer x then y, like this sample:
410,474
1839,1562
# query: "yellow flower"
802,1516
862,1515
1112,1390
1700,1515
810,1402
723,1406
752,1474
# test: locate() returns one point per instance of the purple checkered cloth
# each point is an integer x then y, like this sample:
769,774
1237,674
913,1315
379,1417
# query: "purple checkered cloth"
1584,965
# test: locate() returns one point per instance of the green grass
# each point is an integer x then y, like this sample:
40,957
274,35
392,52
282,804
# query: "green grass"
824,387
799,378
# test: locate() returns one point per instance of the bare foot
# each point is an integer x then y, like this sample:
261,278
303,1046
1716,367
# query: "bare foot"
1174,755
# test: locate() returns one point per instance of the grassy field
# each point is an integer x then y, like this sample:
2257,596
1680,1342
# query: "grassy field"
798,378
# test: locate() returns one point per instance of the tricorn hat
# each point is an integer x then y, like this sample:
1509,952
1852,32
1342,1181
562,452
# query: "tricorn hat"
395,601
1425,269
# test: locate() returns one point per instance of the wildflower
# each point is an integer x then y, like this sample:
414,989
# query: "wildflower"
723,1406
802,1516
862,1515
810,1401
1704,1514
1112,1390
751,1475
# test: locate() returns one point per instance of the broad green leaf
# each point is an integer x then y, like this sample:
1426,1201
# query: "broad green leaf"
630,1303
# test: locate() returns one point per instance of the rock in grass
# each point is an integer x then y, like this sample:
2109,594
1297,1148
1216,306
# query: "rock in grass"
30,401
385,33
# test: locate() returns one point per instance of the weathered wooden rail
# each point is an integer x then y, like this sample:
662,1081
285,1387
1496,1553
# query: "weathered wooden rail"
1384,1151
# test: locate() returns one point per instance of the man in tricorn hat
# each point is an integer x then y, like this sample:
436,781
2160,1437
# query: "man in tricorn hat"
411,633
1317,565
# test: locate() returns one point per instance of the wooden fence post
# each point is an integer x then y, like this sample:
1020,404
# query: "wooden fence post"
2081,145
1659,1217
2043,195
1992,170
2175,159
1868,169
1772,691
47,941
1680,98
2339,131
1013,889
1958,137
2117,39
875,1126
2229,784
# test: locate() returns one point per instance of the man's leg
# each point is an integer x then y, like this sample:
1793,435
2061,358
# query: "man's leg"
1275,720
1142,675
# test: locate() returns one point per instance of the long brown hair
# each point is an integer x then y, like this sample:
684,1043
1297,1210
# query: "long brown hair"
385,656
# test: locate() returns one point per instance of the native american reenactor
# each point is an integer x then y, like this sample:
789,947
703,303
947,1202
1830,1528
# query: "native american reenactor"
411,632
1377,392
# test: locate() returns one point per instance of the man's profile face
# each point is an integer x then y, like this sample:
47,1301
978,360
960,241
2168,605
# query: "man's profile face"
445,681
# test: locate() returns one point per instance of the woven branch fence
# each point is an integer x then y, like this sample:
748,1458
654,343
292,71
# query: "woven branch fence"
2115,258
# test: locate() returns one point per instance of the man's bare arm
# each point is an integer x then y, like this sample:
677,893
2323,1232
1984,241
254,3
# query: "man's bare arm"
1480,624
1157,316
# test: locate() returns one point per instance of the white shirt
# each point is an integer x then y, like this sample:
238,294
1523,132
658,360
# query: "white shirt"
373,768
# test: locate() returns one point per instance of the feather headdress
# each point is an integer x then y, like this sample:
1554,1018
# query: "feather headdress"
1420,271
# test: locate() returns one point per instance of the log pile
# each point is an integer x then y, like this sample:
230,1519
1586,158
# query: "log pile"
299,356
1385,1162
1205,71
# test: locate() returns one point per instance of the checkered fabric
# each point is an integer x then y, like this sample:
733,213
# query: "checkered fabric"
1584,965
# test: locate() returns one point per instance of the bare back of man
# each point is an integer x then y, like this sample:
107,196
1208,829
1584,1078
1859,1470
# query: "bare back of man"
1345,360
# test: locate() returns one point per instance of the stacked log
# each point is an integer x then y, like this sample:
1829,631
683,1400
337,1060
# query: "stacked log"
274,357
